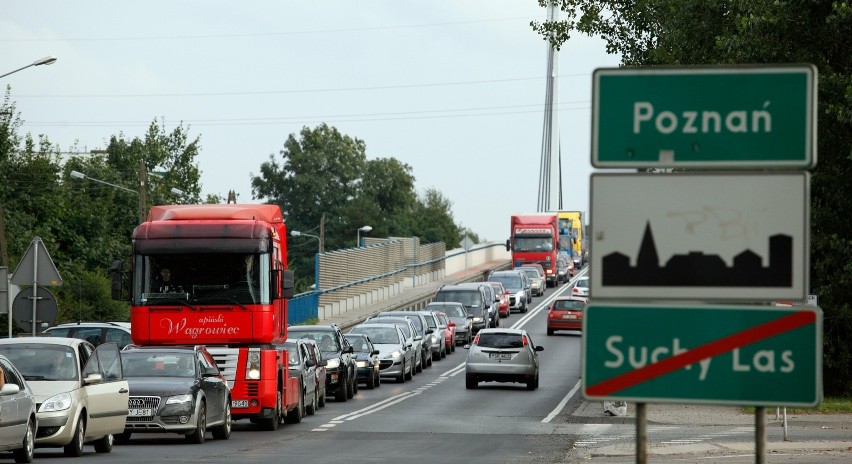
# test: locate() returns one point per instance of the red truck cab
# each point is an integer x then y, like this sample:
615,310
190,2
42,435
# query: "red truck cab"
535,239
227,287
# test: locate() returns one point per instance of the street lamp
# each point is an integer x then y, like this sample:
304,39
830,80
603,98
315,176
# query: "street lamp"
364,229
45,60
80,175
296,233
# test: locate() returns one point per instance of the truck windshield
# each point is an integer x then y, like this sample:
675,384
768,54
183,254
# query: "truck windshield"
202,278
533,243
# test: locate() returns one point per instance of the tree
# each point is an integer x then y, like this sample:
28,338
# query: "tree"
434,220
654,32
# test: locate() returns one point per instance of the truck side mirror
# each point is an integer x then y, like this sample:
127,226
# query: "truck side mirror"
508,248
116,271
288,280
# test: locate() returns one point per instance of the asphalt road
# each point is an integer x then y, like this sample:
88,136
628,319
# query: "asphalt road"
434,418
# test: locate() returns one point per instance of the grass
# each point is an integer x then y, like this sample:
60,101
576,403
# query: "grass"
828,406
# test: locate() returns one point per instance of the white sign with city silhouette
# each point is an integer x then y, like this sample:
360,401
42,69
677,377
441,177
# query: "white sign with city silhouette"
690,236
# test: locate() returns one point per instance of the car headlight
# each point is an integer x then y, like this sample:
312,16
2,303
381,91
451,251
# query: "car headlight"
333,363
178,399
394,354
477,319
361,363
435,338
58,402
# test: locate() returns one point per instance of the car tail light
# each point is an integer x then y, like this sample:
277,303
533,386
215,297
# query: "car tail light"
574,290
525,340
475,340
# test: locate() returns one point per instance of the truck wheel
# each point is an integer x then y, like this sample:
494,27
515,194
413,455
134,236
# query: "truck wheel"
294,416
270,424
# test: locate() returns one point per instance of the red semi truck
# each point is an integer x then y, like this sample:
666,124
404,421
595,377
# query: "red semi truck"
535,239
216,275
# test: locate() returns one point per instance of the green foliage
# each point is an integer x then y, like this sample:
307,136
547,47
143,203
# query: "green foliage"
323,178
685,32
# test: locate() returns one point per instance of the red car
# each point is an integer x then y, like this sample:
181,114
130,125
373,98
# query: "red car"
503,295
449,332
566,313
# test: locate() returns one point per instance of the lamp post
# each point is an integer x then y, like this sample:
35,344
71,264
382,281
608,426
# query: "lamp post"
296,233
364,229
80,175
45,60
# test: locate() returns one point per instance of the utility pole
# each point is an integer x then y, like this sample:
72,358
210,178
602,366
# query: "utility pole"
322,234
143,198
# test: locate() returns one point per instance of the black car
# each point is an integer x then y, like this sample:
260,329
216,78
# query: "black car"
366,358
337,352
175,389
477,298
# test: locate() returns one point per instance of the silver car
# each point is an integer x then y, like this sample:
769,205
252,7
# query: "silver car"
81,390
18,413
396,353
581,287
302,366
411,335
537,282
458,316
502,355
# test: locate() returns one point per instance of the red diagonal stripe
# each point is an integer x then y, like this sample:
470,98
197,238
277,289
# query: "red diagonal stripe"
708,350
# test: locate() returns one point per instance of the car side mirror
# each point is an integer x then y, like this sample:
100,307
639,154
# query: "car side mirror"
539,348
93,379
349,350
429,331
408,345
374,352
210,371
417,338
10,389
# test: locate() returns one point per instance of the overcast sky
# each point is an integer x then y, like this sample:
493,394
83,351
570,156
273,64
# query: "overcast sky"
455,89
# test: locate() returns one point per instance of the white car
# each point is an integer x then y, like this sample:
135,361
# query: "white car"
17,414
81,390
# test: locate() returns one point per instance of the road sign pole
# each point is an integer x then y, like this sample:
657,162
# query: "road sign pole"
35,285
641,433
760,435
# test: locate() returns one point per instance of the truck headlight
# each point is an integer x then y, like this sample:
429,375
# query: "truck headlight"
253,364
333,363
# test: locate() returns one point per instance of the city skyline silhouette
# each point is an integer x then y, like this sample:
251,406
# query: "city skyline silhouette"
696,269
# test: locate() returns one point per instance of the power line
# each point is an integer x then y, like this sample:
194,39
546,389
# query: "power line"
363,117
262,34
281,92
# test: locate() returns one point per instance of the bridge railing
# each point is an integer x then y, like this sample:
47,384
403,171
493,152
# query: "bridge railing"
352,278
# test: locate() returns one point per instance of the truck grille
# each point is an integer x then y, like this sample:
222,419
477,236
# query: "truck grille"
226,358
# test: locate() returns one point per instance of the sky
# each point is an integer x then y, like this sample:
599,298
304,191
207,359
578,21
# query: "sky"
454,89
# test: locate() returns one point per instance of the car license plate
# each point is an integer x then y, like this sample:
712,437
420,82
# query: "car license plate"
140,412
501,356
569,316
239,403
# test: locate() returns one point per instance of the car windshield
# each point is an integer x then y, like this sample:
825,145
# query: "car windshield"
466,297
475,312
42,361
569,305
326,342
379,335
582,283
454,311
532,272
500,340
359,344
406,329
508,281
292,353
144,363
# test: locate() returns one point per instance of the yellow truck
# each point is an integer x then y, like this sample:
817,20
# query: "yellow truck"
571,225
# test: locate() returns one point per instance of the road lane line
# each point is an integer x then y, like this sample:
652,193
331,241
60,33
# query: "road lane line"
561,404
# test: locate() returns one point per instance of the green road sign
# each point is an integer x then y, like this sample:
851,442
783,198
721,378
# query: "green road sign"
705,117
740,355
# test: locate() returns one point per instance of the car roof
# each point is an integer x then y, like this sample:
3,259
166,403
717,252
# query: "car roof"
316,327
64,341
499,330
445,303
165,348
572,298
123,325
376,324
